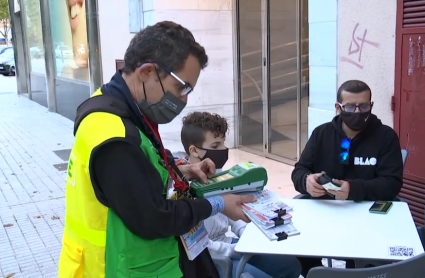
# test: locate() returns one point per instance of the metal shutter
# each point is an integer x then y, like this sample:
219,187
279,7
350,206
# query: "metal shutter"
408,95
413,13
414,193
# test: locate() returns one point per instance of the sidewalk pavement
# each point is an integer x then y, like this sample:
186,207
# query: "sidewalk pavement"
8,84
32,204
34,149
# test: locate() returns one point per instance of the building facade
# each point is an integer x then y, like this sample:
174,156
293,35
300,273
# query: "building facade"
274,68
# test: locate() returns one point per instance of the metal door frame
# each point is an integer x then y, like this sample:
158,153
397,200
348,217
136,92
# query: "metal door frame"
265,74
266,83
236,74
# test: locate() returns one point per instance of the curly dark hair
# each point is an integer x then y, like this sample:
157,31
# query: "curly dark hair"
167,43
195,125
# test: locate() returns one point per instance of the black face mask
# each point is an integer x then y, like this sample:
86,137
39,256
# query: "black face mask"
355,121
163,111
219,157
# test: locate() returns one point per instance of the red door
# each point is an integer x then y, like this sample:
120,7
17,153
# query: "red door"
409,101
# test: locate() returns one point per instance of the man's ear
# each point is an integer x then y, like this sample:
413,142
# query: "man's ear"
193,152
144,71
337,108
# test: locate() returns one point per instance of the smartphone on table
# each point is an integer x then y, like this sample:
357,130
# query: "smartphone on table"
381,207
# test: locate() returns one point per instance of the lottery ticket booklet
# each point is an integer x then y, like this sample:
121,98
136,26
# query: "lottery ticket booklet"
270,214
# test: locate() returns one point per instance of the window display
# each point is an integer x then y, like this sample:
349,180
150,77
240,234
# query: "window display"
68,21
34,36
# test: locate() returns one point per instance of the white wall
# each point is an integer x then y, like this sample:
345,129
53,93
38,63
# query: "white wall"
323,65
211,24
114,34
377,62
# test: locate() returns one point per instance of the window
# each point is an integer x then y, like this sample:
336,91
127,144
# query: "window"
69,39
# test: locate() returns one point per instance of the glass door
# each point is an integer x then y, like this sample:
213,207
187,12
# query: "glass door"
282,78
304,76
250,52
287,75
273,77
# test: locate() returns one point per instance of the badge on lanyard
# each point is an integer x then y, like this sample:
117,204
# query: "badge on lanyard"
196,240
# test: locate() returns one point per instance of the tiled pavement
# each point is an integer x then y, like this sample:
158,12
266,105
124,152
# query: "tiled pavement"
32,203
31,188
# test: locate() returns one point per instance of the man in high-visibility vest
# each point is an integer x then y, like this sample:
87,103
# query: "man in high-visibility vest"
119,222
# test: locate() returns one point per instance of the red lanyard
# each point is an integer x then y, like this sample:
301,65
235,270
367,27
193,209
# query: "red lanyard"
178,184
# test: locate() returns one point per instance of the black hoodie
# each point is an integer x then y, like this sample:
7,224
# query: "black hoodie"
368,180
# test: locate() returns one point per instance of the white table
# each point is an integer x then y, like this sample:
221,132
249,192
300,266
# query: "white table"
337,229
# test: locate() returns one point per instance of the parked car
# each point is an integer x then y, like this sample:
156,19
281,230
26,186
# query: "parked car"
12,68
7,62
36,52
63,51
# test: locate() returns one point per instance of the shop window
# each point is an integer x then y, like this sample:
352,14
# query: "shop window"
69,37
34,36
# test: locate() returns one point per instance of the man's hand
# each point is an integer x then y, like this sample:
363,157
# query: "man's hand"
343,193
233,206
312,187
198,171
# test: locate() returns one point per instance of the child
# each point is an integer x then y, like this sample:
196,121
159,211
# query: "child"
203,135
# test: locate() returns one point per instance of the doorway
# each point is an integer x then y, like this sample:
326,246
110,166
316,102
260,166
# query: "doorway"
409,100
273,77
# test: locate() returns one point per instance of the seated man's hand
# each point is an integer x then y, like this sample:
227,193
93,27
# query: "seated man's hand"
343,193
313,187
233,206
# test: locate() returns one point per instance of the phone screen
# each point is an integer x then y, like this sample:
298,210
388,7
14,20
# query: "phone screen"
380,207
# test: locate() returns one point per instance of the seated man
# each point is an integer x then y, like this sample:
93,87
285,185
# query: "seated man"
203,135
361,154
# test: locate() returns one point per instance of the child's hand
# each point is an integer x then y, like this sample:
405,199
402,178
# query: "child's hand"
234,254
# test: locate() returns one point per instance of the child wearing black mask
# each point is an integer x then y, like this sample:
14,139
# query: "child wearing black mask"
203,136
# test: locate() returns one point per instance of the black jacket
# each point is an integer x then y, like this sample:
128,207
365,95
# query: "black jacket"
380,181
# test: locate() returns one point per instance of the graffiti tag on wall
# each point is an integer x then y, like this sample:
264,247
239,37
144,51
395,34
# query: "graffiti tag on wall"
357,44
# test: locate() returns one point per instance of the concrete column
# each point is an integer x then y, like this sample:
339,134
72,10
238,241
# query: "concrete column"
49,56
26,51
93,44
20,71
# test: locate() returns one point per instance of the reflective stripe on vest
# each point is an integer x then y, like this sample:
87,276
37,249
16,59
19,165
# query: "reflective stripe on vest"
80,230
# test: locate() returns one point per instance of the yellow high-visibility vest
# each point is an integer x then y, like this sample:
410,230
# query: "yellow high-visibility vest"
96,243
